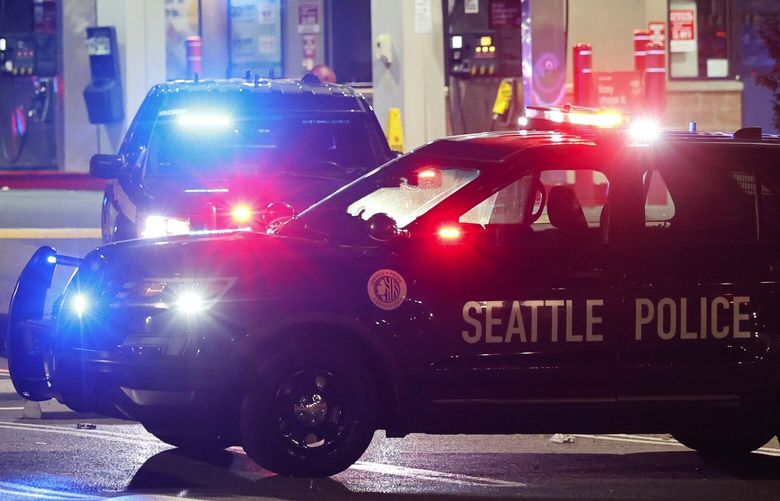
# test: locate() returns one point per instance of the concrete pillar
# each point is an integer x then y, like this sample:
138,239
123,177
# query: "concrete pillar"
140,30
78,138
414,80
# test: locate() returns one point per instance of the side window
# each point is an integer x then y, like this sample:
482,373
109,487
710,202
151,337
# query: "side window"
575,199
769,205
690,203
547,206
507,206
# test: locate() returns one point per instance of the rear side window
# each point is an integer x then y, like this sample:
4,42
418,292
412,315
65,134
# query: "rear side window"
701,203
659,206
769,204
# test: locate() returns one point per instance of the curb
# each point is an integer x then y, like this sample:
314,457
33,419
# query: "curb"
50,180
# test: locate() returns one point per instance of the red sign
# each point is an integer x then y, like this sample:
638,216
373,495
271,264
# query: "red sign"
657,31
621,90
682,30
308,18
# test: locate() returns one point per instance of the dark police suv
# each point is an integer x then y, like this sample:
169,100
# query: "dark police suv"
516,282
215,154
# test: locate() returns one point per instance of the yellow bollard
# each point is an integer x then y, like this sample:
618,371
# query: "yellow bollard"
395,130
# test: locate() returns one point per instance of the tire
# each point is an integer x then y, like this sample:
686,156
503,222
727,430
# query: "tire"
311,413
724,444
200,442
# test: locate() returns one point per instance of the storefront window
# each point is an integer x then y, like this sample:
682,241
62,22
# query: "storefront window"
699,39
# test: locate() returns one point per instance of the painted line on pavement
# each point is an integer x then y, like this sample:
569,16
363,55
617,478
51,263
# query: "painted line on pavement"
40,493
86,433
50,233
11,408
436,476
671,441
641,439
420,474
76,433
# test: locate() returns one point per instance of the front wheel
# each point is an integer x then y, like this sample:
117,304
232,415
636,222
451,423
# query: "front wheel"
312,413
726,443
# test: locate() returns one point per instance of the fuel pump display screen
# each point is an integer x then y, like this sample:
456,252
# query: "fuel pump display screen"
486,42
505,14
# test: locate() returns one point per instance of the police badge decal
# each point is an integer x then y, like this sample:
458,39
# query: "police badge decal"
387,289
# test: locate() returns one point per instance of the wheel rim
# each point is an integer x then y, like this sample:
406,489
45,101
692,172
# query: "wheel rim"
313,412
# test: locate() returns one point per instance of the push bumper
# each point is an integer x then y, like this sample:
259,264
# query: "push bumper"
29,334
124,382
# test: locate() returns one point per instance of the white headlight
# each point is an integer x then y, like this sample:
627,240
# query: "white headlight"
159,226
191,302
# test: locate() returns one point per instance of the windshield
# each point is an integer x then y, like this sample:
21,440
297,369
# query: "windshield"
215,144
403,189
405,202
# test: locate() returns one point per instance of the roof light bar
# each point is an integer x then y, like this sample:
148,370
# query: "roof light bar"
588,117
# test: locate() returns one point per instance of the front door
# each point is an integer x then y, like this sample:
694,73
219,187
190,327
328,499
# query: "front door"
527,296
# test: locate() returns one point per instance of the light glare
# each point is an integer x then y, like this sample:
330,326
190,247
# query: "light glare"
160,226
190,302
644,130
79,303
204,120
241,213
449,233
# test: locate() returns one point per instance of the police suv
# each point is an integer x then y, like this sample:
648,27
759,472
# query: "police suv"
512,282
215,154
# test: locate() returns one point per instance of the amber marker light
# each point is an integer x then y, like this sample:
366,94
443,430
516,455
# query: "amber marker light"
450,233
241,213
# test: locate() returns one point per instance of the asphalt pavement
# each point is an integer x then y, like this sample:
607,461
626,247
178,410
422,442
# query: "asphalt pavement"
71,459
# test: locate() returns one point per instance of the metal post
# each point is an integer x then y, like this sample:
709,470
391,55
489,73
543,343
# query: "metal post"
582,60
655,79
194,47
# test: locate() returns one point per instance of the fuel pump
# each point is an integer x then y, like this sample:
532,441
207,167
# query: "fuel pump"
483,54
28,83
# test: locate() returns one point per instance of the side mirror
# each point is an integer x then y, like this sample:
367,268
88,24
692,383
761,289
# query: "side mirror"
382,227
276,213
105,166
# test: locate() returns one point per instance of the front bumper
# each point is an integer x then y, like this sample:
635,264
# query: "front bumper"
124,379
136,385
